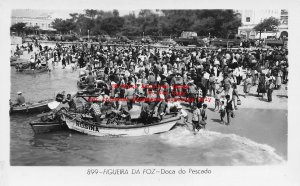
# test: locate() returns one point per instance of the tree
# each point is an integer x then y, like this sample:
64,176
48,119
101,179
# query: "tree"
268,24
63,26
218,23
116,13
18,28
112,25
31,29
91,13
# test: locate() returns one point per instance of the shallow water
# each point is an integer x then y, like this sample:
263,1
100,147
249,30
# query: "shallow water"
176,147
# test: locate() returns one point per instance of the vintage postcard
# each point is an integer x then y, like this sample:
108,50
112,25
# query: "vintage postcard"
150,92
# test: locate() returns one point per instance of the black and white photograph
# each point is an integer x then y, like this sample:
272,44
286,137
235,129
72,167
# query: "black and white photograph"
149,87
104,87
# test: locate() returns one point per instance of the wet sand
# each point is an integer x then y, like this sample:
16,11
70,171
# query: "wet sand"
256,119
264,126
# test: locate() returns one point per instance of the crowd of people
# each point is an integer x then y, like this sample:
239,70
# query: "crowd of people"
161,76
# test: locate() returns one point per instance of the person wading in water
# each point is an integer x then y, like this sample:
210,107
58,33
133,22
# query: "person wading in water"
229,109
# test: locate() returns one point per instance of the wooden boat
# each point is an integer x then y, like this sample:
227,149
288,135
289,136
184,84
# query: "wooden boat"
49,122
33,71
77,123
19,61
48,126
39,107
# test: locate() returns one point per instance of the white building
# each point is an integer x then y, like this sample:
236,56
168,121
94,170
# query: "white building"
33,18
250,18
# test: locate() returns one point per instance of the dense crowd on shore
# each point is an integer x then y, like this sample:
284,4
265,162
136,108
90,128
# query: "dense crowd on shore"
146,72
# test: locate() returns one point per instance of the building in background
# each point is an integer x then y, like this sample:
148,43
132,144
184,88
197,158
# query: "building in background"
33,18
250,18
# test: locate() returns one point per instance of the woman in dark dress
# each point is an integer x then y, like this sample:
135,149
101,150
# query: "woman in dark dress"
261,85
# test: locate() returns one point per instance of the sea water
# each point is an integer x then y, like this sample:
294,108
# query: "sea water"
176,147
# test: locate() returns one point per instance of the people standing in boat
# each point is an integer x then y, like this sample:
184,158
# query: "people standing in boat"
95,110
60,96
90,81
71,102
20,99
162,106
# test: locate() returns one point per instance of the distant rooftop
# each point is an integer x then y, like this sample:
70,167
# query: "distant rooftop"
29,13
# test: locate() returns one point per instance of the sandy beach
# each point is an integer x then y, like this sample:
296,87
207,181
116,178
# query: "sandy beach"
256,119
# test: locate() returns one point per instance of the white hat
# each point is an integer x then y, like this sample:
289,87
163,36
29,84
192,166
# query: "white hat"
161,96
179,106
19,92
191,81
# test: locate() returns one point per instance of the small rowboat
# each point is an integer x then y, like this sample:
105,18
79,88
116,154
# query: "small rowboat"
77,123
33,71
43,127
29,108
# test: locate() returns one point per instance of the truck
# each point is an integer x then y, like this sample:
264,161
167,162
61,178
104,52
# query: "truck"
189,38
231,41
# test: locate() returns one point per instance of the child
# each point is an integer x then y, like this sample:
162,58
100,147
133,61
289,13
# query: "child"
196,117
182,113
217,100
235,96
222,112
204,116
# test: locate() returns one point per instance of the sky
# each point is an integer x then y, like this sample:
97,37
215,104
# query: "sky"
64,14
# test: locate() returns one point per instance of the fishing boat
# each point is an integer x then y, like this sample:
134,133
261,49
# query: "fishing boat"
29,108
39,126
82,124
33,71
49,122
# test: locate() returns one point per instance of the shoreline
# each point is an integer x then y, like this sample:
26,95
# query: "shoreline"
266,126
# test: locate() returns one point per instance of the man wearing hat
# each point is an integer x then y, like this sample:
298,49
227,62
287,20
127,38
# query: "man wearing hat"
192,92
151,78
21,99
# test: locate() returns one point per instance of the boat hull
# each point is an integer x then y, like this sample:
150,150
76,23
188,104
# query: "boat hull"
30,109
32,71
44,127
101,129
